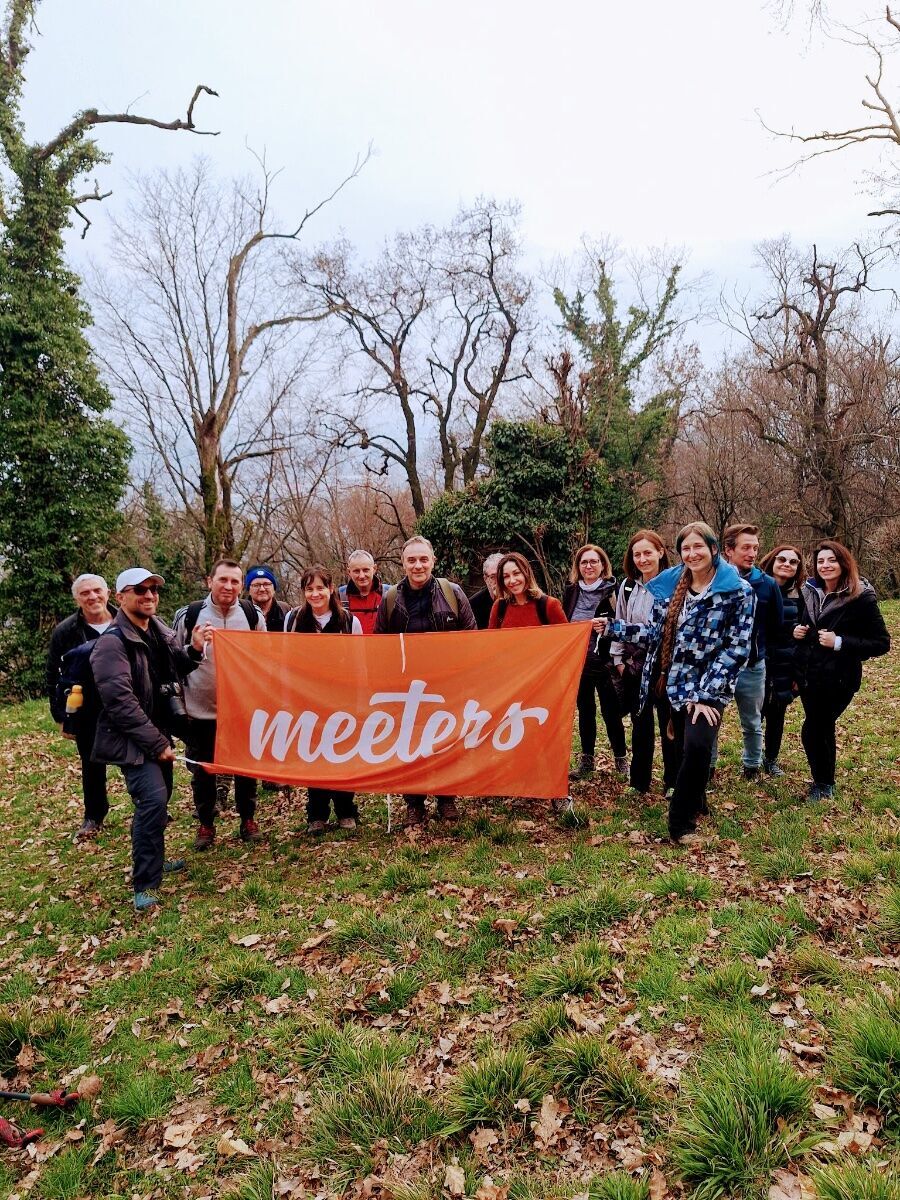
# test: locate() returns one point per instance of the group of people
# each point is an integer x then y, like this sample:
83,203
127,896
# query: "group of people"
669,648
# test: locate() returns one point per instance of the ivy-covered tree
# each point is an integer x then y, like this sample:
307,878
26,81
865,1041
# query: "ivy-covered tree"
63,465
596,393
590,468
541,487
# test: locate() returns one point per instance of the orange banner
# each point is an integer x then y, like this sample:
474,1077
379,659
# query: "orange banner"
471,714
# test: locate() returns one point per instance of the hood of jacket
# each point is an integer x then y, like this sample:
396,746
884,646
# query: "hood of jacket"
726,579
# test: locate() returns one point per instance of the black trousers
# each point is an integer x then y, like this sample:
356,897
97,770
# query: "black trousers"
320,800
693,745
600,682
93,775
773,714
200,744
643,735
822,707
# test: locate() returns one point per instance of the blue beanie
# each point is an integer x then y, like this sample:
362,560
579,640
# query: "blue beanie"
262,573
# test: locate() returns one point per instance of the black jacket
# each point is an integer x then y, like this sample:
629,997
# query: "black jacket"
442,619
860,625
783,650
68,634
126,735
598,648
481,604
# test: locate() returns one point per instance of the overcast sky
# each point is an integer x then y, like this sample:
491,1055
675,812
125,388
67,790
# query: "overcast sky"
637,121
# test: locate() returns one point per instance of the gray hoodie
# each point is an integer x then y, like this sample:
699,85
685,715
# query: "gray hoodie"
200,686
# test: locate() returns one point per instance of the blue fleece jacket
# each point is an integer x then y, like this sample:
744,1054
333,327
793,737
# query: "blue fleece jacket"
712,643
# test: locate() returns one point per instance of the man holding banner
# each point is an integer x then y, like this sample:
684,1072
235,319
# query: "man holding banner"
420,603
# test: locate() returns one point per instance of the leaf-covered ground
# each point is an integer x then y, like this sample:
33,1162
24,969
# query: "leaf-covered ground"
511,1008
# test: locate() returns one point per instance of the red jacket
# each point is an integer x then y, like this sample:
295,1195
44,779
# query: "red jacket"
364,607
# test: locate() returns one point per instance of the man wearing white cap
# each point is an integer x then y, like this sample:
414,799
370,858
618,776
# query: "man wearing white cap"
138,669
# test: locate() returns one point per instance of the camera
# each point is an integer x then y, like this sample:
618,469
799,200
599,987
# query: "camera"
171,693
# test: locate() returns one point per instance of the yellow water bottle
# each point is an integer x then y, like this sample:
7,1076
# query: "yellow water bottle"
74,700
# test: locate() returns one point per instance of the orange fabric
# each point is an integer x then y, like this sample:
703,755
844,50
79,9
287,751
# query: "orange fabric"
485,713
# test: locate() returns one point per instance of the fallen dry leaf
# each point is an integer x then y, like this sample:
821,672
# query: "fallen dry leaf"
455,1179
548,1124
251,939
228,1147
483,1139
658,1188
89,1086
279,1004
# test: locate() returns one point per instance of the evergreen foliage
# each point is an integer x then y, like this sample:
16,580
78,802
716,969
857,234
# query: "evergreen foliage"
63,466
589,470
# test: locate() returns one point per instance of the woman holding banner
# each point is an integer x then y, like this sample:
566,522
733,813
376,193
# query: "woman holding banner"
322,612
697,638
520,602
590,596
645,557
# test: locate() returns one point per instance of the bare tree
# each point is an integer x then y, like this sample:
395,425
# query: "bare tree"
201,337
881,123
432,334
818,389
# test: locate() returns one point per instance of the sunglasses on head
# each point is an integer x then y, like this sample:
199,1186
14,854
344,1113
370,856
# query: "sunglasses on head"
141,589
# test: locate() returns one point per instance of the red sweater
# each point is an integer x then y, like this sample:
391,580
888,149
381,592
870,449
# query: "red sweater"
525,616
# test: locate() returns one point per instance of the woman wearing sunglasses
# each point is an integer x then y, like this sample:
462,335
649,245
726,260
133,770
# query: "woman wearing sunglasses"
843,628
785,565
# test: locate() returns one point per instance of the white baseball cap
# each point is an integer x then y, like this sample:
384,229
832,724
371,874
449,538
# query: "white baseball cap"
134,576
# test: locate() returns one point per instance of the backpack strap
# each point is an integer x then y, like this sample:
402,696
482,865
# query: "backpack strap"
389,602
290,621
191,613
542,608
501,611
449,594
250,612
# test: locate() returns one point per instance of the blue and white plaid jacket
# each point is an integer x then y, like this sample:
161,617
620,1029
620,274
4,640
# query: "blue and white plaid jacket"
712,643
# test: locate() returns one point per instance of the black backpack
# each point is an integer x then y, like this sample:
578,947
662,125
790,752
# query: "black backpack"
541,603
75,669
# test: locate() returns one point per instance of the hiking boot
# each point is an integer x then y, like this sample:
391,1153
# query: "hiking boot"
206,835
348,823
813,794
585,768
143,901
622,765
173,865
751,772
88,831
315,828
826,791
447,810
249,831
771,767
415,814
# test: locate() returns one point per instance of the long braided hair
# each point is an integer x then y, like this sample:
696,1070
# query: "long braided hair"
670,626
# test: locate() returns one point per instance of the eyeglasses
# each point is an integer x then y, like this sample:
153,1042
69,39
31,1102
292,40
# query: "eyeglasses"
141,589
789,562
589,562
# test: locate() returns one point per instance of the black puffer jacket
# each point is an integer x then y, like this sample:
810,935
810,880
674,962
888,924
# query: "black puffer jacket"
782,651
858,622
120,663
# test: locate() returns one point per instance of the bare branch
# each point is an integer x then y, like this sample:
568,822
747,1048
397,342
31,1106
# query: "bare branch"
91,118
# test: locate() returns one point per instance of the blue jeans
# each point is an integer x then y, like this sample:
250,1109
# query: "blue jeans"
749,697
150,787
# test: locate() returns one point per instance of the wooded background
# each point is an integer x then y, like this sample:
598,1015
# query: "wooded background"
229,384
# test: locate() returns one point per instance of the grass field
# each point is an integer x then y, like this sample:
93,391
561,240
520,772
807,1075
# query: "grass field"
511,1009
